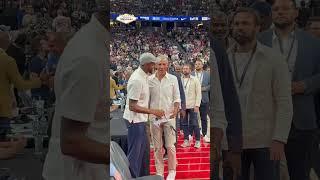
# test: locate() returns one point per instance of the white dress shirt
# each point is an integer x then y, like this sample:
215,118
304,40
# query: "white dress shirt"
81,93
164,93
192,89
138,89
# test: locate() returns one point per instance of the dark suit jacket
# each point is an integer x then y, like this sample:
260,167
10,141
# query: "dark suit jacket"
182,94
230,97
307,69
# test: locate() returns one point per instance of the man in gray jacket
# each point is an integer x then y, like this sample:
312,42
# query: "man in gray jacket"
301,53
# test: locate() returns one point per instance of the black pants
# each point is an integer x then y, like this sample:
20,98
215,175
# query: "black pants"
137,148
299,153
204,107
4,128
316,155
190,125
264,168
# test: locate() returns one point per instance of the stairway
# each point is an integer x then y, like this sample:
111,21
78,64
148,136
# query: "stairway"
192,163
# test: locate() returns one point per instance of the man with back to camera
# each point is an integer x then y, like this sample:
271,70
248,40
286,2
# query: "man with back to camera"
301,53
79,144
137,111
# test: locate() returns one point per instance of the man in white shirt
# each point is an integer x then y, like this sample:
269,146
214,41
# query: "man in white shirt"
137,111
164,94
192,89
79,145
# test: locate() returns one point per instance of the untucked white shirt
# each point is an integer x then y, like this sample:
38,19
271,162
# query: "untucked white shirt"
164,93
80,87
138,89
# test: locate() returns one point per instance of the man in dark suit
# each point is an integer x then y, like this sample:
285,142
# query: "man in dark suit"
301,51
204,79
313,28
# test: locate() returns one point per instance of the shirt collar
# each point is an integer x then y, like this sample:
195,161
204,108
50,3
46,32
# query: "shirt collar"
154,76
275,36
142,73
260,48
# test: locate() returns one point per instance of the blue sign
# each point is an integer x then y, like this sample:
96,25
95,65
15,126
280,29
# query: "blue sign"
167,18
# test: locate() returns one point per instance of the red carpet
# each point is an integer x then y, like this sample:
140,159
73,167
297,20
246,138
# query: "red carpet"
192,163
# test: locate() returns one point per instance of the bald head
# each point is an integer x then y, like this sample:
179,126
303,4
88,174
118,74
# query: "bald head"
4,40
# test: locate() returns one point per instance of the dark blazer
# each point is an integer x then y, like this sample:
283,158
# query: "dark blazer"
182,94
307,69
230,97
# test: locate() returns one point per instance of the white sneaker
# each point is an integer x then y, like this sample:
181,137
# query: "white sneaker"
185,143
190,138
197,144
171,175
206,139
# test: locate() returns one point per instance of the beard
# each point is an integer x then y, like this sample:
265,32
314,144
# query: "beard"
186,73
242,38
220,35
282,25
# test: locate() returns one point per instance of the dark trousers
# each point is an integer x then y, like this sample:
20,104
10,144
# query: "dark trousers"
298,150
264,168
4,128
204,107
137,147
316,155
190,125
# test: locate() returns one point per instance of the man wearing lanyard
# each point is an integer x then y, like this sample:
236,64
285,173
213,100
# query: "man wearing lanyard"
301,53
137,111
192,89
164,94
263,87
204,79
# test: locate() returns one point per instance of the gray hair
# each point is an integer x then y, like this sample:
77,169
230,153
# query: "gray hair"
162,57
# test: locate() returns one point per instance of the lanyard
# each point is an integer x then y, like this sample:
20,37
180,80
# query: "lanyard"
290,50
185,84
240,80
201,77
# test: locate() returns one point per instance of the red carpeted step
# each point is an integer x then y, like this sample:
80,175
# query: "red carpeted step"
192,163
190,174
188,160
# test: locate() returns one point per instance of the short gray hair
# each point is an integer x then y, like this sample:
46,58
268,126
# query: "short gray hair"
162,57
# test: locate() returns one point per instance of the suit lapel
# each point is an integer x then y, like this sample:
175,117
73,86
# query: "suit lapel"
299,58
